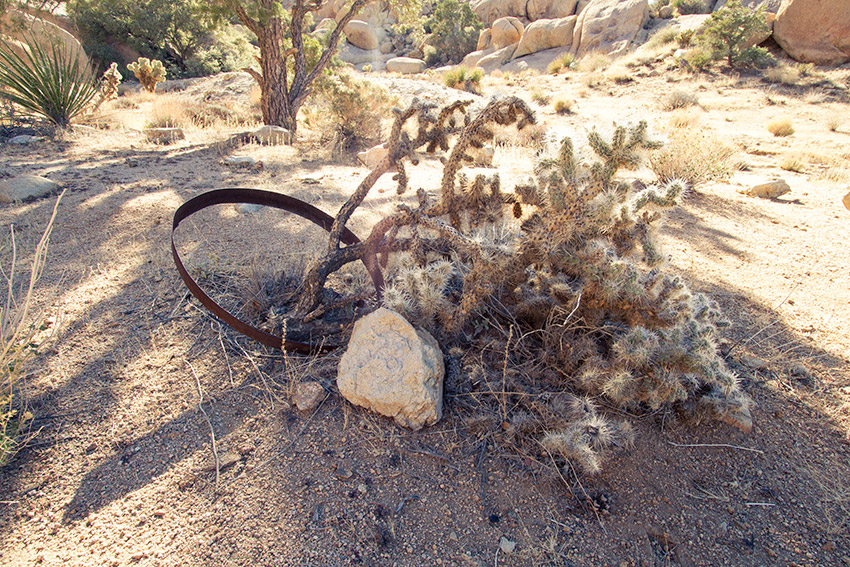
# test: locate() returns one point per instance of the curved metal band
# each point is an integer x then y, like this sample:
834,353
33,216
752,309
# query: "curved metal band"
268,199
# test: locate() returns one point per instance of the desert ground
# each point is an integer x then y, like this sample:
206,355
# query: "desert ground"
135,380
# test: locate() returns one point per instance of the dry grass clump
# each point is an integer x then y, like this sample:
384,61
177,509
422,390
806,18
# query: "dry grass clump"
780,127
592,80
784,74
662,37
693,155
678,98
566,62
793,162
540,97
563,105
593,62
683,118
619,75
834,120
464,79
169,111
18,330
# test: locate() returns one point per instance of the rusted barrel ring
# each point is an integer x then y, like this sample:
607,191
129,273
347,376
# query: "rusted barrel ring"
238,195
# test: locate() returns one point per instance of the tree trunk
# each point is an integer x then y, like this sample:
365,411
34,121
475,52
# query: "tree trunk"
274,98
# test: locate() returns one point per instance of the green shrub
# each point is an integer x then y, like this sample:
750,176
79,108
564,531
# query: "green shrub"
17,343
463,79
46,82
686,7
148,72
226,49
168,30
727,33
454,29
354,112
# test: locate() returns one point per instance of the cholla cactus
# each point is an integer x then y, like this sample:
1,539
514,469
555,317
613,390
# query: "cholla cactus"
149,72
108,87
569,262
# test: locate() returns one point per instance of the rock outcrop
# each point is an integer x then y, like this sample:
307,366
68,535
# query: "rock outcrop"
814,31
393,369
608,26
546,34
505,32
21,27
488,11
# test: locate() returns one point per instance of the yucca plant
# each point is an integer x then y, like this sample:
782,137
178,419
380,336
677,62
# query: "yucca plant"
47,82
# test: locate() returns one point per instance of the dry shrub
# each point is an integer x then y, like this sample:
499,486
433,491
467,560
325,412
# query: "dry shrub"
619,75
592,80
678,98
563,105
693,155
780,127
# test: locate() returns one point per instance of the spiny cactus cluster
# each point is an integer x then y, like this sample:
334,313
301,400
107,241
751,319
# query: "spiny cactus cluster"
568,263
108,86
149,72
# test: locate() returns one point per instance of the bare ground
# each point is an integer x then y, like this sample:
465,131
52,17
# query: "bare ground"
122,472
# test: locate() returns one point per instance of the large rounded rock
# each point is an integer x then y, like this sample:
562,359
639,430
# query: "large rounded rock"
488,11
814,31
405,65
546,34
497,58
394,370
22,27
609,26
361,34
550,9
25,187
505,32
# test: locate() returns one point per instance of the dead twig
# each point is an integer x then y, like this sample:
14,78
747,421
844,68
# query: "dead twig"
207,417
723,445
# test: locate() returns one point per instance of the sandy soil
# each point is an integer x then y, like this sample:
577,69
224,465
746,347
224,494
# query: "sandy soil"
121,471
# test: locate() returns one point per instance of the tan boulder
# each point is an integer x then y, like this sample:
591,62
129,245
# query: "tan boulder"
471,60
609,26
25,187
814,31
770,190
546,34
393,369
497,58
488,11
361,34
405,65
846,201
485,36
505,32
550,9
21,27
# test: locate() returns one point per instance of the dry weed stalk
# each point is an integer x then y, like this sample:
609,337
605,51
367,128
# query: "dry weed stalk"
567,264
17,334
